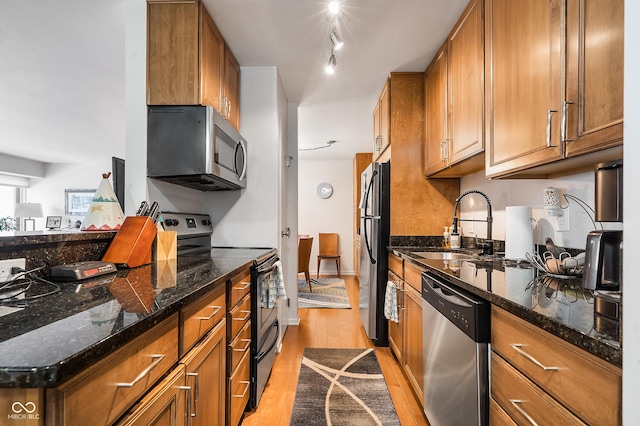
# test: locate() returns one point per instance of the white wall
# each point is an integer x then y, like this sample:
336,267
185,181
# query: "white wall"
333,214
249,218
58,177
529,192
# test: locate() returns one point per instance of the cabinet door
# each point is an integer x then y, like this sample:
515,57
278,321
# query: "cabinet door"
206,375
376,130
466,78
382,122
395,328
524,58
211,61
385,117
172,53
165,405
232,89
595,75
413,362
436,117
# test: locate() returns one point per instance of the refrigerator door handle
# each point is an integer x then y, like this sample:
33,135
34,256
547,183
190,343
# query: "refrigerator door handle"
367,217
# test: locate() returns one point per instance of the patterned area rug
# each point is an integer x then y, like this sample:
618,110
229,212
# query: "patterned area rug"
327,293
342,387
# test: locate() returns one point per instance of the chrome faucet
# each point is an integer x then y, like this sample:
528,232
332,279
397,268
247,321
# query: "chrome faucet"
487,246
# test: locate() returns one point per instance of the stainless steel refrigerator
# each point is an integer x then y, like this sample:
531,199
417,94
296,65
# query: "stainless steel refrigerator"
374,239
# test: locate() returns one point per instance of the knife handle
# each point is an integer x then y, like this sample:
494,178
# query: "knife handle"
142,209
154,211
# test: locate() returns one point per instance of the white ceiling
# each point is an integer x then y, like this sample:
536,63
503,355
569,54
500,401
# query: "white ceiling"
62,68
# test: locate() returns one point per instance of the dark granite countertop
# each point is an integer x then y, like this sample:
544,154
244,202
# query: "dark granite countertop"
51,339
558,306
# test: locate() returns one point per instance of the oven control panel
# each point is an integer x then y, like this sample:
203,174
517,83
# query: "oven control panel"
187,223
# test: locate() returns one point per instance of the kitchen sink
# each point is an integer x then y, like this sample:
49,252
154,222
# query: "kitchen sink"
443,255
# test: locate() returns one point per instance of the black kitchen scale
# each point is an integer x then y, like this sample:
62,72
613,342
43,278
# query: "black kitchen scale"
78,271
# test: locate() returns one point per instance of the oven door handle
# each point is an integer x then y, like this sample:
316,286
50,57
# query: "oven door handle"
264,353
266,270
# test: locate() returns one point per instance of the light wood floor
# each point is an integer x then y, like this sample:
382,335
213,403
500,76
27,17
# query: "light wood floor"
328,328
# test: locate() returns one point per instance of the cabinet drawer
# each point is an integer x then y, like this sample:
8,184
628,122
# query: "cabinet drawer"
107,389
413,276
168,400
239,346
240,315
240,286
395,265
525,402
497,416
201,316
586,385
239,384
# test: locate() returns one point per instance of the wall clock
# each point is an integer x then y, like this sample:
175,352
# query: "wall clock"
324,190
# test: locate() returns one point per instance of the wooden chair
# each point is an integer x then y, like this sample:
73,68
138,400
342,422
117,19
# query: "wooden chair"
328,250
304,255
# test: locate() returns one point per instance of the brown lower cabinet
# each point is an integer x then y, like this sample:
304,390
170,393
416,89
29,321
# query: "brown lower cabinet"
538,378
167,404
205,368
405,336
107,389
238,348
152,380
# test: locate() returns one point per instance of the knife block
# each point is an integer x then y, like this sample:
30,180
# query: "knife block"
133,243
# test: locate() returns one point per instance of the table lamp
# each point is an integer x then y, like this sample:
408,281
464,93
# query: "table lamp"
29,211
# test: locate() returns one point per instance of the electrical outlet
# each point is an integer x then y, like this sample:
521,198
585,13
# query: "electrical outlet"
5,268
563,222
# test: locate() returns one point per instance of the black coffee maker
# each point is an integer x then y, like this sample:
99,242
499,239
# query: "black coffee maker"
603,257
603,261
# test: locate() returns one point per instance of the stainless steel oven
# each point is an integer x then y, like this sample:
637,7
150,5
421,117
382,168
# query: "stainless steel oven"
264,326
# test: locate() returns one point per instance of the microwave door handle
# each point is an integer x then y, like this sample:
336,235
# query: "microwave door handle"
242,147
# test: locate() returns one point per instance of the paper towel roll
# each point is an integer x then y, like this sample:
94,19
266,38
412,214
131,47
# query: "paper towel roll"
519,232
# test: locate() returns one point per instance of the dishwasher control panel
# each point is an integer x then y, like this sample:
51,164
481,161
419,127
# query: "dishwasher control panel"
468,312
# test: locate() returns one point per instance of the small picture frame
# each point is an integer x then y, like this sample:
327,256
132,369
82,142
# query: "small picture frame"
54,222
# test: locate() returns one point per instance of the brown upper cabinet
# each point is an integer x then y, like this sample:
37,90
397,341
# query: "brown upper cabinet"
188,61
545,105
381,122
454,96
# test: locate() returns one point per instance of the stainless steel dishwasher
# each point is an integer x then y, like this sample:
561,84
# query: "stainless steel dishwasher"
456,334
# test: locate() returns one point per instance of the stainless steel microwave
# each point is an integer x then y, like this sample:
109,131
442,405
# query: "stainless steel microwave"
194,146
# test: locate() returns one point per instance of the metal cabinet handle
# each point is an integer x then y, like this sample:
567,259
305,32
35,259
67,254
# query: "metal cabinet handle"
216,309
246,389
549,113
157,359
246,346
229,110
517,346
563,135
246,316
378,142
196,393
243,287
442,150
188,413
515,403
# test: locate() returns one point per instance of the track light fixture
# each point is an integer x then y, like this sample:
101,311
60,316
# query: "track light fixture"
335,39
334,7
331,65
